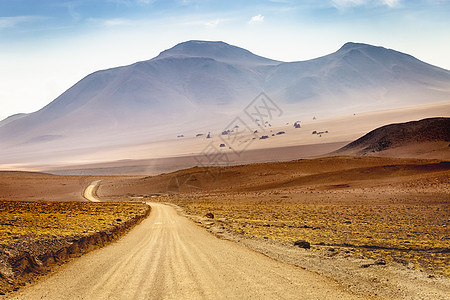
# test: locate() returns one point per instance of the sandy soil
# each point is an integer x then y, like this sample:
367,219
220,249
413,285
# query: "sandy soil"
169,257
157,166
90,192
36,235
405,196
146,155
313,174
345,206
30,186
359,275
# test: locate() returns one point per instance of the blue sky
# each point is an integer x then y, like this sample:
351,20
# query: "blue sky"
47,46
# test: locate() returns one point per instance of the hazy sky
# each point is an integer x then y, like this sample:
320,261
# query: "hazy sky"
47,46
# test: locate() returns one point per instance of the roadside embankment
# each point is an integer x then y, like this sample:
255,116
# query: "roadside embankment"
35,237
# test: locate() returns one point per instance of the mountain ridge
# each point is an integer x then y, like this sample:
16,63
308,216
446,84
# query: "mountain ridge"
202,84
217,50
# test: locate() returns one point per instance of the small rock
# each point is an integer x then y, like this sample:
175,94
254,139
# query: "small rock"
302,244
210,215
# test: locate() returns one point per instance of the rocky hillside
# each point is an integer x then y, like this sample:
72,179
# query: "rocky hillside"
399,135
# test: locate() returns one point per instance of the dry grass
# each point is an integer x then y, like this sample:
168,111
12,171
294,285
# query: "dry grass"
30,221
388,228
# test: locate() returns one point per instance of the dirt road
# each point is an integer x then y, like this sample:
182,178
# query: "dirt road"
90,191
169,257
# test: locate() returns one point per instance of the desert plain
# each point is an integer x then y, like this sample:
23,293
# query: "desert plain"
376,225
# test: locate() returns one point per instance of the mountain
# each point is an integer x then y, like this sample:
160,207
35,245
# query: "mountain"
186,83
427,138
359,76
203,85
219,51
11,118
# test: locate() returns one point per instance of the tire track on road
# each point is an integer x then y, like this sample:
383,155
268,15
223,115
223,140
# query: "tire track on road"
169,257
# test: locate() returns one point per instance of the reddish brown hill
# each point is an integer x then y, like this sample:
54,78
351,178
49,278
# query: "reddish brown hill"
425,138
322,173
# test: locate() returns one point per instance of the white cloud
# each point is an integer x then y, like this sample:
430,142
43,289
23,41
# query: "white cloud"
146,1
392,3
256,19
213,24
72,12
205,24
114,22
348,3
9,22
121,2
342,4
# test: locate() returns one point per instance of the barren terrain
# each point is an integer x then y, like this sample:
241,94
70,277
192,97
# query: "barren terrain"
154,157
363,217
22,186
169,257
373,225
37,235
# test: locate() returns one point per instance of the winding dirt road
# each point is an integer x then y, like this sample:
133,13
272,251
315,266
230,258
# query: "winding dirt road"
91,190
169,257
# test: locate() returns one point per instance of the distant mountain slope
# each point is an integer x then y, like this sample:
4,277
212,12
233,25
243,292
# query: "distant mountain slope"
359,75
430,133
219,51
11,118
201,84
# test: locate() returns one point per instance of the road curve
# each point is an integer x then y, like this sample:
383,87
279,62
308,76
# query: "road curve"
90,191
169,257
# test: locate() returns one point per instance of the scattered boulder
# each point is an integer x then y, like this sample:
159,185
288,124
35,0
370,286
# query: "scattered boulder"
378,262
222,145
264,137
210,215
302,244
319,133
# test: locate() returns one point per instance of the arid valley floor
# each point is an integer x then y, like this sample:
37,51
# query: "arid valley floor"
370,219
192,149
376,226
